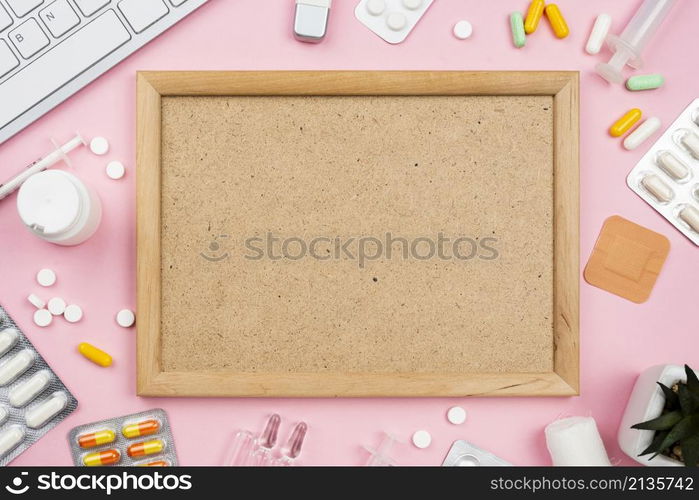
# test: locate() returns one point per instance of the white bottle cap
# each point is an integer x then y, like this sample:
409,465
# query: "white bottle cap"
49,202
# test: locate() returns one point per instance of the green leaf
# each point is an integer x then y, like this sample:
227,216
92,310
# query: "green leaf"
690,451
692,380
687,427
662,423
655,444
671,399
689,403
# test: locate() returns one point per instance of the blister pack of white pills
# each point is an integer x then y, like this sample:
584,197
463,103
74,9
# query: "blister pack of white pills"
667,177
392,20
465,454
33,400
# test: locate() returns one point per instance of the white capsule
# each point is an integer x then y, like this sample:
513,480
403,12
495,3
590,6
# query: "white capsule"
690,215
4,414
36,301
8,339
16,366
690,141
10,439
672,166
658,188
40,415
642,133
29,389
598,34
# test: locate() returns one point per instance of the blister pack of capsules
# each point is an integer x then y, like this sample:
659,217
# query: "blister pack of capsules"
33,400
138,439
667,177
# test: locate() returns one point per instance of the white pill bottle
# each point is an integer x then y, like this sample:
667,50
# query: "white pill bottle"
58,207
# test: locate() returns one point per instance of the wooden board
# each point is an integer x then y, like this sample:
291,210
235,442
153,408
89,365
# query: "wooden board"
357,233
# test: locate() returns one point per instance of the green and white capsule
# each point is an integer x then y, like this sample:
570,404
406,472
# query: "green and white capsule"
519,36
645,82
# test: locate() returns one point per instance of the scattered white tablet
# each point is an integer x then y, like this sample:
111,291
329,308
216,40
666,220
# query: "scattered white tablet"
99,146
73,313
42,317
36,301
463,30
57,306
46,277
126,318
115,170
456,415
422,439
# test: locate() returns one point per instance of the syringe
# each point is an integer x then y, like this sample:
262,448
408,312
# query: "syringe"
60,153
628,46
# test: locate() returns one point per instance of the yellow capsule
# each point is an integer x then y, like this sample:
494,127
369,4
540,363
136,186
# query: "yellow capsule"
95,355
96,438
536,10
624,124
558,22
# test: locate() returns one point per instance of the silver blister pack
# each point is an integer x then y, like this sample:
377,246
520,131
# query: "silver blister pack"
143,438
33,400
667,177
464,454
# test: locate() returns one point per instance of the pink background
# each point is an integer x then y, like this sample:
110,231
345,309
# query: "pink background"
619,338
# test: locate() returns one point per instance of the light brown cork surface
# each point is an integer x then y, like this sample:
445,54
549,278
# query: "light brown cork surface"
309,167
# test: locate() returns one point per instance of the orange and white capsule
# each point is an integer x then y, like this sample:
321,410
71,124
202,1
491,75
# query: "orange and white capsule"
100,458
146,448
139,429
96,438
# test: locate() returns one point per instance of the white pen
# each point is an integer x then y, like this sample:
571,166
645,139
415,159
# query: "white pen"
59,154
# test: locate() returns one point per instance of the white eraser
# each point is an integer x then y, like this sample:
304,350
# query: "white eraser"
311,20
46,277
99,146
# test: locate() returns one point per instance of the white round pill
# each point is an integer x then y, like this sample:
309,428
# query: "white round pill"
57,306
46,277
99,146
73,313
412,4
42,317
422,439
125,318
463,30
115,170
396,21
36,301
376,7
456,415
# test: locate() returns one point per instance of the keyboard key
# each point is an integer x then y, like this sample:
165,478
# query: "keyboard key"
142,13
5,19
59,18
89,7
8,61
24,7
177,3
52,70
29,38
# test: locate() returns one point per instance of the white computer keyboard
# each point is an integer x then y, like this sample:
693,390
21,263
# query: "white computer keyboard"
51,49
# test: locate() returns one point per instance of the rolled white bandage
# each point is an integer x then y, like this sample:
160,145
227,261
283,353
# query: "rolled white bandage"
575,441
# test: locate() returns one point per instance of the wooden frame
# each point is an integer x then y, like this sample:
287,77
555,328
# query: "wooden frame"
563,86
